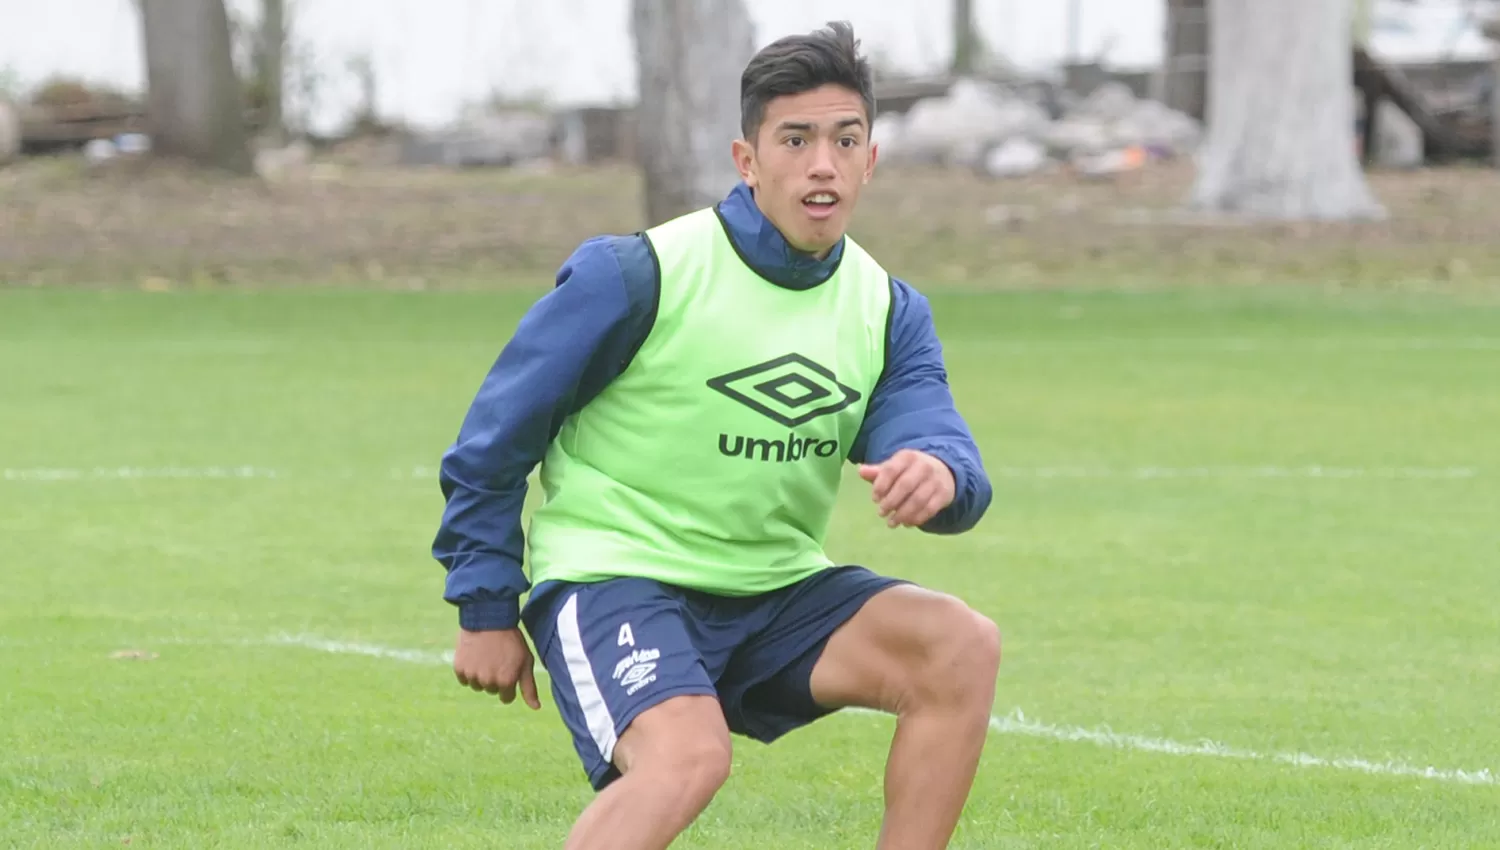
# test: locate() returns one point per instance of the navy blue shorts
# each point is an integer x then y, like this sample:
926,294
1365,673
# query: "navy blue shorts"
618,647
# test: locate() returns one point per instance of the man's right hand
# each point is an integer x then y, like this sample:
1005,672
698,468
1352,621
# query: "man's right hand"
496,662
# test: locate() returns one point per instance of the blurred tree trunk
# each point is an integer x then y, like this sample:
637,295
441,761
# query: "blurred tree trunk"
272,66
1183,81
1491,29
1075,31
965,38
689,54
194,102
1281,114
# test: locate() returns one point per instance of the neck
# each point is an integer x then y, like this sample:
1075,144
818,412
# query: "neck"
765,248
817,254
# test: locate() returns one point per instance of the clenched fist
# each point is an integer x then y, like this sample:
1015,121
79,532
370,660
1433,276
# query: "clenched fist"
496,662
911,487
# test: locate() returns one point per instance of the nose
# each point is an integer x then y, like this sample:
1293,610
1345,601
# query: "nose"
820,166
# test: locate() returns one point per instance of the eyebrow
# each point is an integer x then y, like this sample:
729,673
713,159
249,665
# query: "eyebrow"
808,127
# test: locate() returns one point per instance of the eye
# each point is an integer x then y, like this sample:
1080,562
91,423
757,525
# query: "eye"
848,141
796,141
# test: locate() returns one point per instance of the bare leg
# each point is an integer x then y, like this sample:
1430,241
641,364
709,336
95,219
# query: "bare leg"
932,662
672,759
934,757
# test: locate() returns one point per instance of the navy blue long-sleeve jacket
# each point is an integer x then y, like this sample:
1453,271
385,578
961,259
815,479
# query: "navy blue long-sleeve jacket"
580,335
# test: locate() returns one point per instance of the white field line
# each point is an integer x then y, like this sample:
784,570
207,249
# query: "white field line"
132,473
1149,473
338,647
1016,723
429,474
1242,344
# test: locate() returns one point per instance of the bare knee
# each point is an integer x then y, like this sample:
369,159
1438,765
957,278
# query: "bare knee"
697,765
962,659
684,743
910,649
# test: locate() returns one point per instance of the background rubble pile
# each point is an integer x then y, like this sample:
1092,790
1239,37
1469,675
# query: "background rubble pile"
1003,131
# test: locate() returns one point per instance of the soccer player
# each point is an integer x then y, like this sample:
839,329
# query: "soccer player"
691,393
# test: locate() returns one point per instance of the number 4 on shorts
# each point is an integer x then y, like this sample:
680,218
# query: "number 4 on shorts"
627,638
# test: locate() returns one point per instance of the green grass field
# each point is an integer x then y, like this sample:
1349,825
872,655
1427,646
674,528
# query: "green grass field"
1256,521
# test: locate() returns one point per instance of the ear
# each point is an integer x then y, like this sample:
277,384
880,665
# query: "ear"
744,161
870,166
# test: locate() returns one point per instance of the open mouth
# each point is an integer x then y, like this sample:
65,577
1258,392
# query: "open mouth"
821,204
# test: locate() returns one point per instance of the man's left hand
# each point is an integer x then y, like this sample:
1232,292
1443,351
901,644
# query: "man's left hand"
911,487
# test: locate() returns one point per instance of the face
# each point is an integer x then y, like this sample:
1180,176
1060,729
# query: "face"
808,163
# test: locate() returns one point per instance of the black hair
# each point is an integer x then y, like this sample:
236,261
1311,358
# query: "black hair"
800,63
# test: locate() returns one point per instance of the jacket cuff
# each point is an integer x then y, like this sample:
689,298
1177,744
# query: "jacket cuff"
490,615
958,516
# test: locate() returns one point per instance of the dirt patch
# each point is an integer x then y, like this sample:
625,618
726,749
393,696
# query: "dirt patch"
157,225
65,223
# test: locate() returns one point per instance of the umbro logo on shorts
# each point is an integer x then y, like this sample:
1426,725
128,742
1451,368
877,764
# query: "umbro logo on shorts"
637,670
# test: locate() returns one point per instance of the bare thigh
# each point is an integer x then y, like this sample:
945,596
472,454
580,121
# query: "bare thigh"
904,642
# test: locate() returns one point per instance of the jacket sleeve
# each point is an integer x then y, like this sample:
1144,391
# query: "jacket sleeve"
912,407
568,347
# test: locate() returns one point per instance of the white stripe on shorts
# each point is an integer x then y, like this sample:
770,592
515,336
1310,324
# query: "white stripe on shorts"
590,700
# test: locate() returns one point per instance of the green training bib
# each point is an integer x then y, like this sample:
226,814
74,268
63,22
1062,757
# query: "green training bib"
713,461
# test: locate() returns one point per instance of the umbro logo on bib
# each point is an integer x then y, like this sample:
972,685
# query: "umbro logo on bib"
790,390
